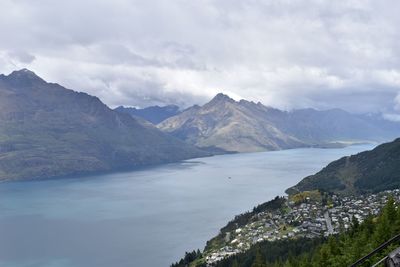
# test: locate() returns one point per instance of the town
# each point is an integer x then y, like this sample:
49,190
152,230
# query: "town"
304,215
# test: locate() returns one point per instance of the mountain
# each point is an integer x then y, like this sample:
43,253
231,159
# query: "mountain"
153,114
370,171
245,126
229,125
335,125
47,130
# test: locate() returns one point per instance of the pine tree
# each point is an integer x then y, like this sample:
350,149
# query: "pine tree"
383,229
258,261
354,224
390,209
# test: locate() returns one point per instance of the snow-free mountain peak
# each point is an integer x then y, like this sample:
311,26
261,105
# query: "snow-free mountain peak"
48,131
246,126
22,77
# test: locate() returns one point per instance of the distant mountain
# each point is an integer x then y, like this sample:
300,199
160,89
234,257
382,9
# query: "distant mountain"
47,131
370,171
229,125
153,114
335,125
244,126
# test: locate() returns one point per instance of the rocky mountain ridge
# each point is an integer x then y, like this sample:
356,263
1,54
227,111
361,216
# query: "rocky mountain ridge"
244,126
48,131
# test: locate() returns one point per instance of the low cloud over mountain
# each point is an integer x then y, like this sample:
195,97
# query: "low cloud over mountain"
286,54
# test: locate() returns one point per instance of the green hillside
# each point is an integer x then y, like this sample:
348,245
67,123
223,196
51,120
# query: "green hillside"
369,171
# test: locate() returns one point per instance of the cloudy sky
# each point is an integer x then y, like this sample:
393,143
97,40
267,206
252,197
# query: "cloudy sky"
284,53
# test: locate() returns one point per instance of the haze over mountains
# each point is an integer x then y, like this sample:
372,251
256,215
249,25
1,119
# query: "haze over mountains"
153,114
243,126
47,130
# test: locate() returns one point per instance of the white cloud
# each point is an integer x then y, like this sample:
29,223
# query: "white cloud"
287,54
21,56
392,117
397,102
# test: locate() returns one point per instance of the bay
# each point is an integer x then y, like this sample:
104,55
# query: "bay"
147,217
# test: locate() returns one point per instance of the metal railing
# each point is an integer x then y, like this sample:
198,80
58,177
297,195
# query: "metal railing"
375,251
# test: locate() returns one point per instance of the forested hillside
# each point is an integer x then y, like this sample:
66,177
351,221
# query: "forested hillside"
369,171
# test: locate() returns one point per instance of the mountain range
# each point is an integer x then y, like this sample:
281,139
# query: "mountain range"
47,131
244,126
369,171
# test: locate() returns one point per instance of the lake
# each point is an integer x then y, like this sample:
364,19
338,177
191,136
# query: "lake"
148,217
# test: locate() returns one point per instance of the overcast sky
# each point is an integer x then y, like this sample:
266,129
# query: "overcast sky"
284,53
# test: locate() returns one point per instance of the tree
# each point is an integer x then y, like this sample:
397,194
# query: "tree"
355,224
390,210
259,260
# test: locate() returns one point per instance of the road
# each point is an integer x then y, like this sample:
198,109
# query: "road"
328,223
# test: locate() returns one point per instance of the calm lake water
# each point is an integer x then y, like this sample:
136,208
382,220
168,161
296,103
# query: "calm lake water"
142,218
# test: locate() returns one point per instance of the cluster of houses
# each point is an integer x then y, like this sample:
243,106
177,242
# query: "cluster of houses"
346,208
308,218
